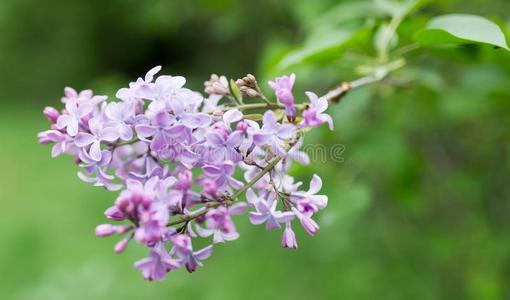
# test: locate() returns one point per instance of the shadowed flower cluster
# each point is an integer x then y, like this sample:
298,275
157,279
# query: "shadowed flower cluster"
175,157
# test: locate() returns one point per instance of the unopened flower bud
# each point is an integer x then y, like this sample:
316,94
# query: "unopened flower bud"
44,138
51,114
217,85
123,204
247,81
104,230
121,245
250,92
113,213
250,78
121,229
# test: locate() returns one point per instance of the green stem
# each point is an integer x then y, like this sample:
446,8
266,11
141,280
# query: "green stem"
187,218
264,171
258,106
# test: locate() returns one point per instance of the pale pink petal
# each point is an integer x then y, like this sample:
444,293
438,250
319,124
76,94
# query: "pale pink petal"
257,218
95,151
95,126
72,127
83,139
109,134
203,253
150,75
315,185
284,217
145,130
233,115
238,208
327,118
269,120
235,139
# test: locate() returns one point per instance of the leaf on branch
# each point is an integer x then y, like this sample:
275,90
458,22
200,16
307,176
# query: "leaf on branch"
234,90
457,29
316,47
253,117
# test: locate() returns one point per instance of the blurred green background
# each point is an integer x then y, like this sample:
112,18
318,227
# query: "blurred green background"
419,205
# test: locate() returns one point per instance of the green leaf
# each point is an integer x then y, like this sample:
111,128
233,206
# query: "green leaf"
461,29
234,90
253,117
316,47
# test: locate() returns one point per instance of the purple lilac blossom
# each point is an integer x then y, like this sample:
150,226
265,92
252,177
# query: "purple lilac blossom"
282,87
314,115
181,161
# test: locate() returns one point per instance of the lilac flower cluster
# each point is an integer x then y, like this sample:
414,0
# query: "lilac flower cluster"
175,156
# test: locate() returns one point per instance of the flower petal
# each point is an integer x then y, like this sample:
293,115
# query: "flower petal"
83,139
145,131
203,253
315,185
257,218
233,115
95,151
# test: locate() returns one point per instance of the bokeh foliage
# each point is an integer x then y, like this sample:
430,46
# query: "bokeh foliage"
419,206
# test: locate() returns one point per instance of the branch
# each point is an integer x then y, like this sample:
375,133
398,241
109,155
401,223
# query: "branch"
256,106
335,95
187,218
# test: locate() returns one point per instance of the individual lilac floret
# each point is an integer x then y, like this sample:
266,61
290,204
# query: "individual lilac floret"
97,134
273,134
184,250
218,223
96,172
60,139
222,175
161,125
289,237
119,115
266,211
282,86
157,265
308,224
223,145
309,201
314,115
74,114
